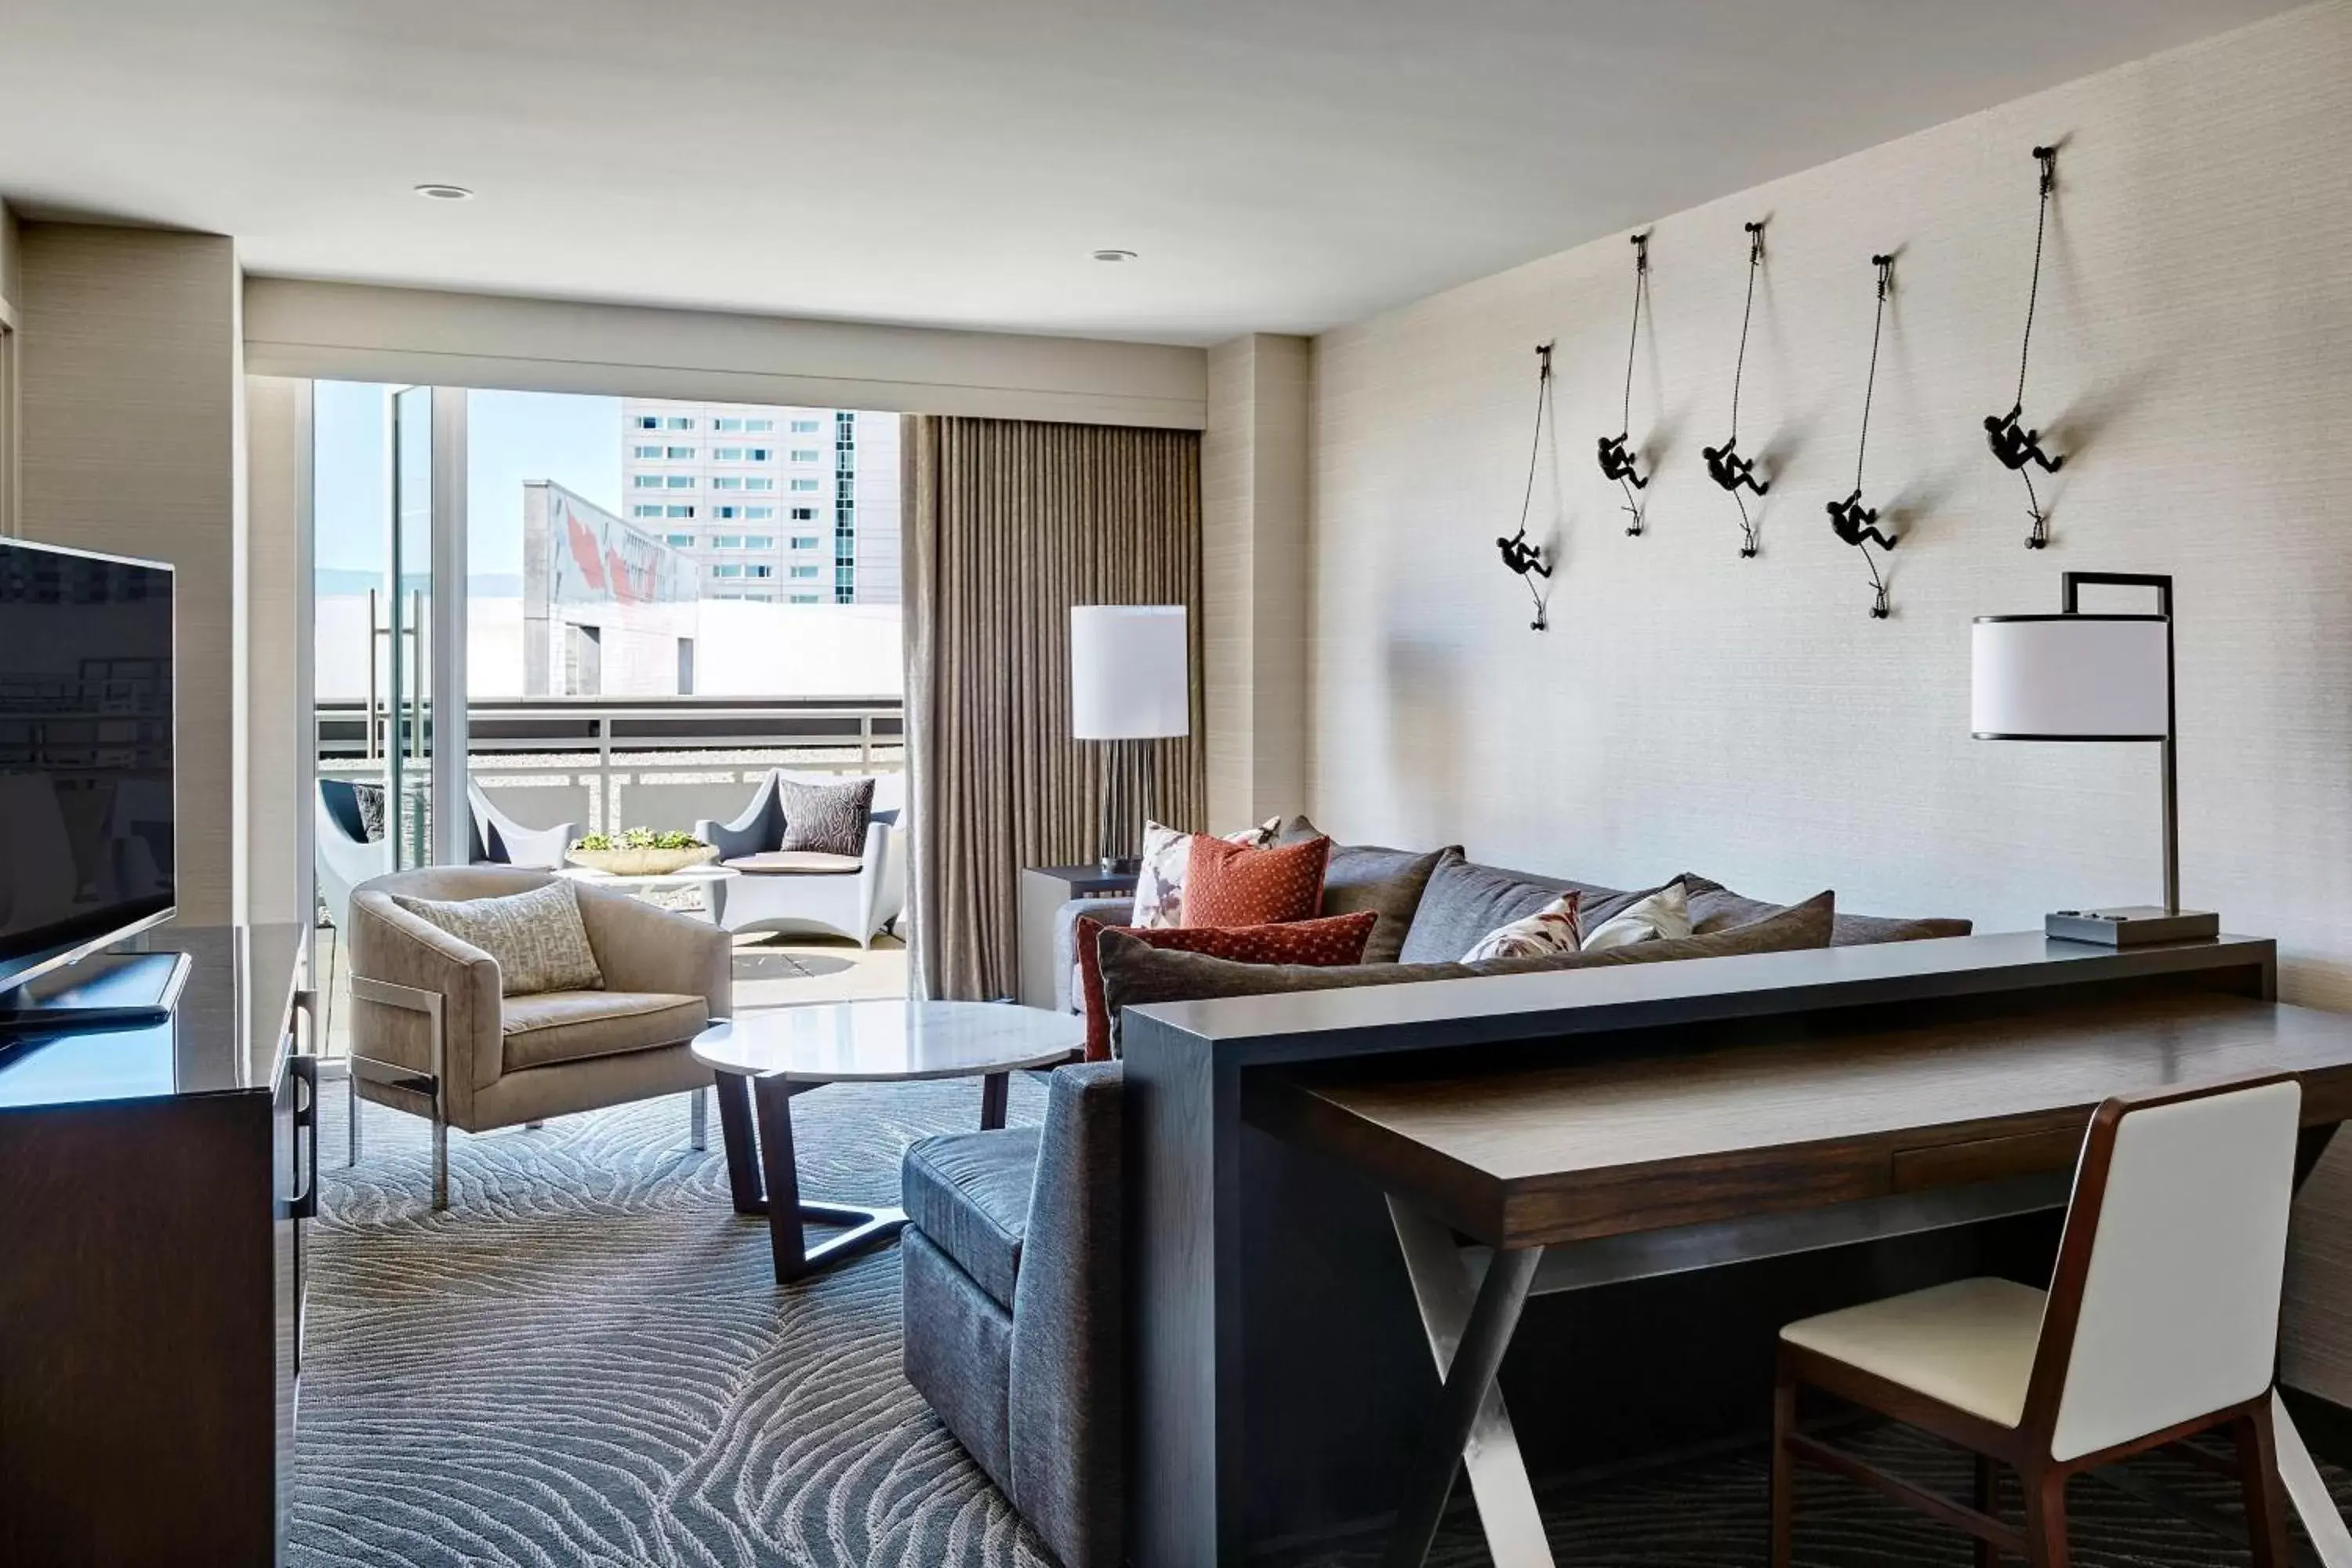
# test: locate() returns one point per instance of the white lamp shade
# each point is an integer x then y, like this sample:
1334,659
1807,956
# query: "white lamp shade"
1130,672
2070,678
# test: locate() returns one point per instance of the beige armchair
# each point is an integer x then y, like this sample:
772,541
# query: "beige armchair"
432,1036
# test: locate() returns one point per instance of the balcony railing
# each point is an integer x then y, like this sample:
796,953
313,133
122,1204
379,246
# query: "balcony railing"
619,762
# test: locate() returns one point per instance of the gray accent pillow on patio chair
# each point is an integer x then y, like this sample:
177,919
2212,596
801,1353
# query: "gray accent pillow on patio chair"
829,819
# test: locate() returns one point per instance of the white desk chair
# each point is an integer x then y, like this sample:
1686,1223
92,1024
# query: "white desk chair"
2160,1322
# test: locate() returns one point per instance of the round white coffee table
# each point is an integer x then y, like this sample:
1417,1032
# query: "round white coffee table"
762,1059
709,880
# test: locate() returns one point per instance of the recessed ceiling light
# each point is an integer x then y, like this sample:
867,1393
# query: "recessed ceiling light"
1114,255
444,193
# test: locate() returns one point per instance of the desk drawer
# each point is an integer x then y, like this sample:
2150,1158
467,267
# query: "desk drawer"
1986,1159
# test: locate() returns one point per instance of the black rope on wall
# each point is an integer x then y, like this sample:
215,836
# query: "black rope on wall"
1851,521
1520,556
1725,465
1618,462
2011,442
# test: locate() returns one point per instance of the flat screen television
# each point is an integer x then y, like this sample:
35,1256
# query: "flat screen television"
86,756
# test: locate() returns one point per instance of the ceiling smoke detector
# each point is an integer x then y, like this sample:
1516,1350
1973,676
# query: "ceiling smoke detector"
436,193
1114,255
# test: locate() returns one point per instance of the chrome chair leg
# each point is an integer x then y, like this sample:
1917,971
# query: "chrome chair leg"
353,1157
440,1163
697,1115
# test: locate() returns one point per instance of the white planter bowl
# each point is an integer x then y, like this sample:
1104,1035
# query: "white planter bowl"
642,862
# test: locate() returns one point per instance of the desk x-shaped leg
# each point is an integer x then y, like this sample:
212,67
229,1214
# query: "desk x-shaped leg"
1470,1322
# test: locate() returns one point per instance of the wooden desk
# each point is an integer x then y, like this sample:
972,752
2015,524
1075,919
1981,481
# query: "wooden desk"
1273,1340
1571,1176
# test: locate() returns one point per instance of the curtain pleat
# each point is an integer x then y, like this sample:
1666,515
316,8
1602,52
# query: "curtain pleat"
1008,524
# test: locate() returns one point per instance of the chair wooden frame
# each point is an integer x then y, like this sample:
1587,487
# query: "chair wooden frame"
2026,1447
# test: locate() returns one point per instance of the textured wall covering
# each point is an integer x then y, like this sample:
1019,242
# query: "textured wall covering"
1746,718
1009,523
131,394
1253,569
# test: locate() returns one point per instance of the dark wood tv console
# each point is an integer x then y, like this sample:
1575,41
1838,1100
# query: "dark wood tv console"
153,1183
1281,1376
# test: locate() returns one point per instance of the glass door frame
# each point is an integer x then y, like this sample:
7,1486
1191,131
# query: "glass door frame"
428,715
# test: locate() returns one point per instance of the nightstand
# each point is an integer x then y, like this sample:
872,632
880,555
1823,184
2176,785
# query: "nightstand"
1043,889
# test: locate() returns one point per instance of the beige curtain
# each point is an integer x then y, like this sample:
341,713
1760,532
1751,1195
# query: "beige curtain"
1008,524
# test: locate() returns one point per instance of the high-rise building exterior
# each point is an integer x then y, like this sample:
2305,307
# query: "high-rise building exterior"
788,506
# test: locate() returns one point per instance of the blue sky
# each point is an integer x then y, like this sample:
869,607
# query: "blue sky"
511,436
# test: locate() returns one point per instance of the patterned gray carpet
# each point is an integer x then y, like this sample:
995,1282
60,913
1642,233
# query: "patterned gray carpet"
586,1359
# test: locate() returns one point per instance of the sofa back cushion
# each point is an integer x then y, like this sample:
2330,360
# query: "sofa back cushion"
1388,883
1318,943
1135,975
1463,900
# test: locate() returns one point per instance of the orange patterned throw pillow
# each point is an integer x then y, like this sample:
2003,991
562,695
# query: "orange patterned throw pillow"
1327,943
1235,885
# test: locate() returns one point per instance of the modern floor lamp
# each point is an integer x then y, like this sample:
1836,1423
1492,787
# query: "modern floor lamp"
2076,676
1130,680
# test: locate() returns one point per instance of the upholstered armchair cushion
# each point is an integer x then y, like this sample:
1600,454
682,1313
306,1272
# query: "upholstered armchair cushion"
797,863
969,1191
573,1025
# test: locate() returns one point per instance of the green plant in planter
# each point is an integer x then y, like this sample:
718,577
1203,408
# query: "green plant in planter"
638,839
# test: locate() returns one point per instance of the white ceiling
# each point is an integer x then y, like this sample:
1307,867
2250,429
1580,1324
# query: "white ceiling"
1280,164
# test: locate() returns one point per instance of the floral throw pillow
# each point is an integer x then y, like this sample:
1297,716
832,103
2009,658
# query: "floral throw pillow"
1551,929
1167,853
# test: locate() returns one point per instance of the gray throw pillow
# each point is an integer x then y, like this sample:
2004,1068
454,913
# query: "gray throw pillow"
1714,906
828,818
538,938
1135,975
369,798
1388,883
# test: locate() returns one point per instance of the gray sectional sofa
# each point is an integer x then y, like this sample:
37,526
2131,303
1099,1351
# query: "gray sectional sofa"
1014,1270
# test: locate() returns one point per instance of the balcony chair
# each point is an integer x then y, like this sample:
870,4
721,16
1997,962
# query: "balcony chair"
432,1035
839,895
499,840
343,854
2160,1322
